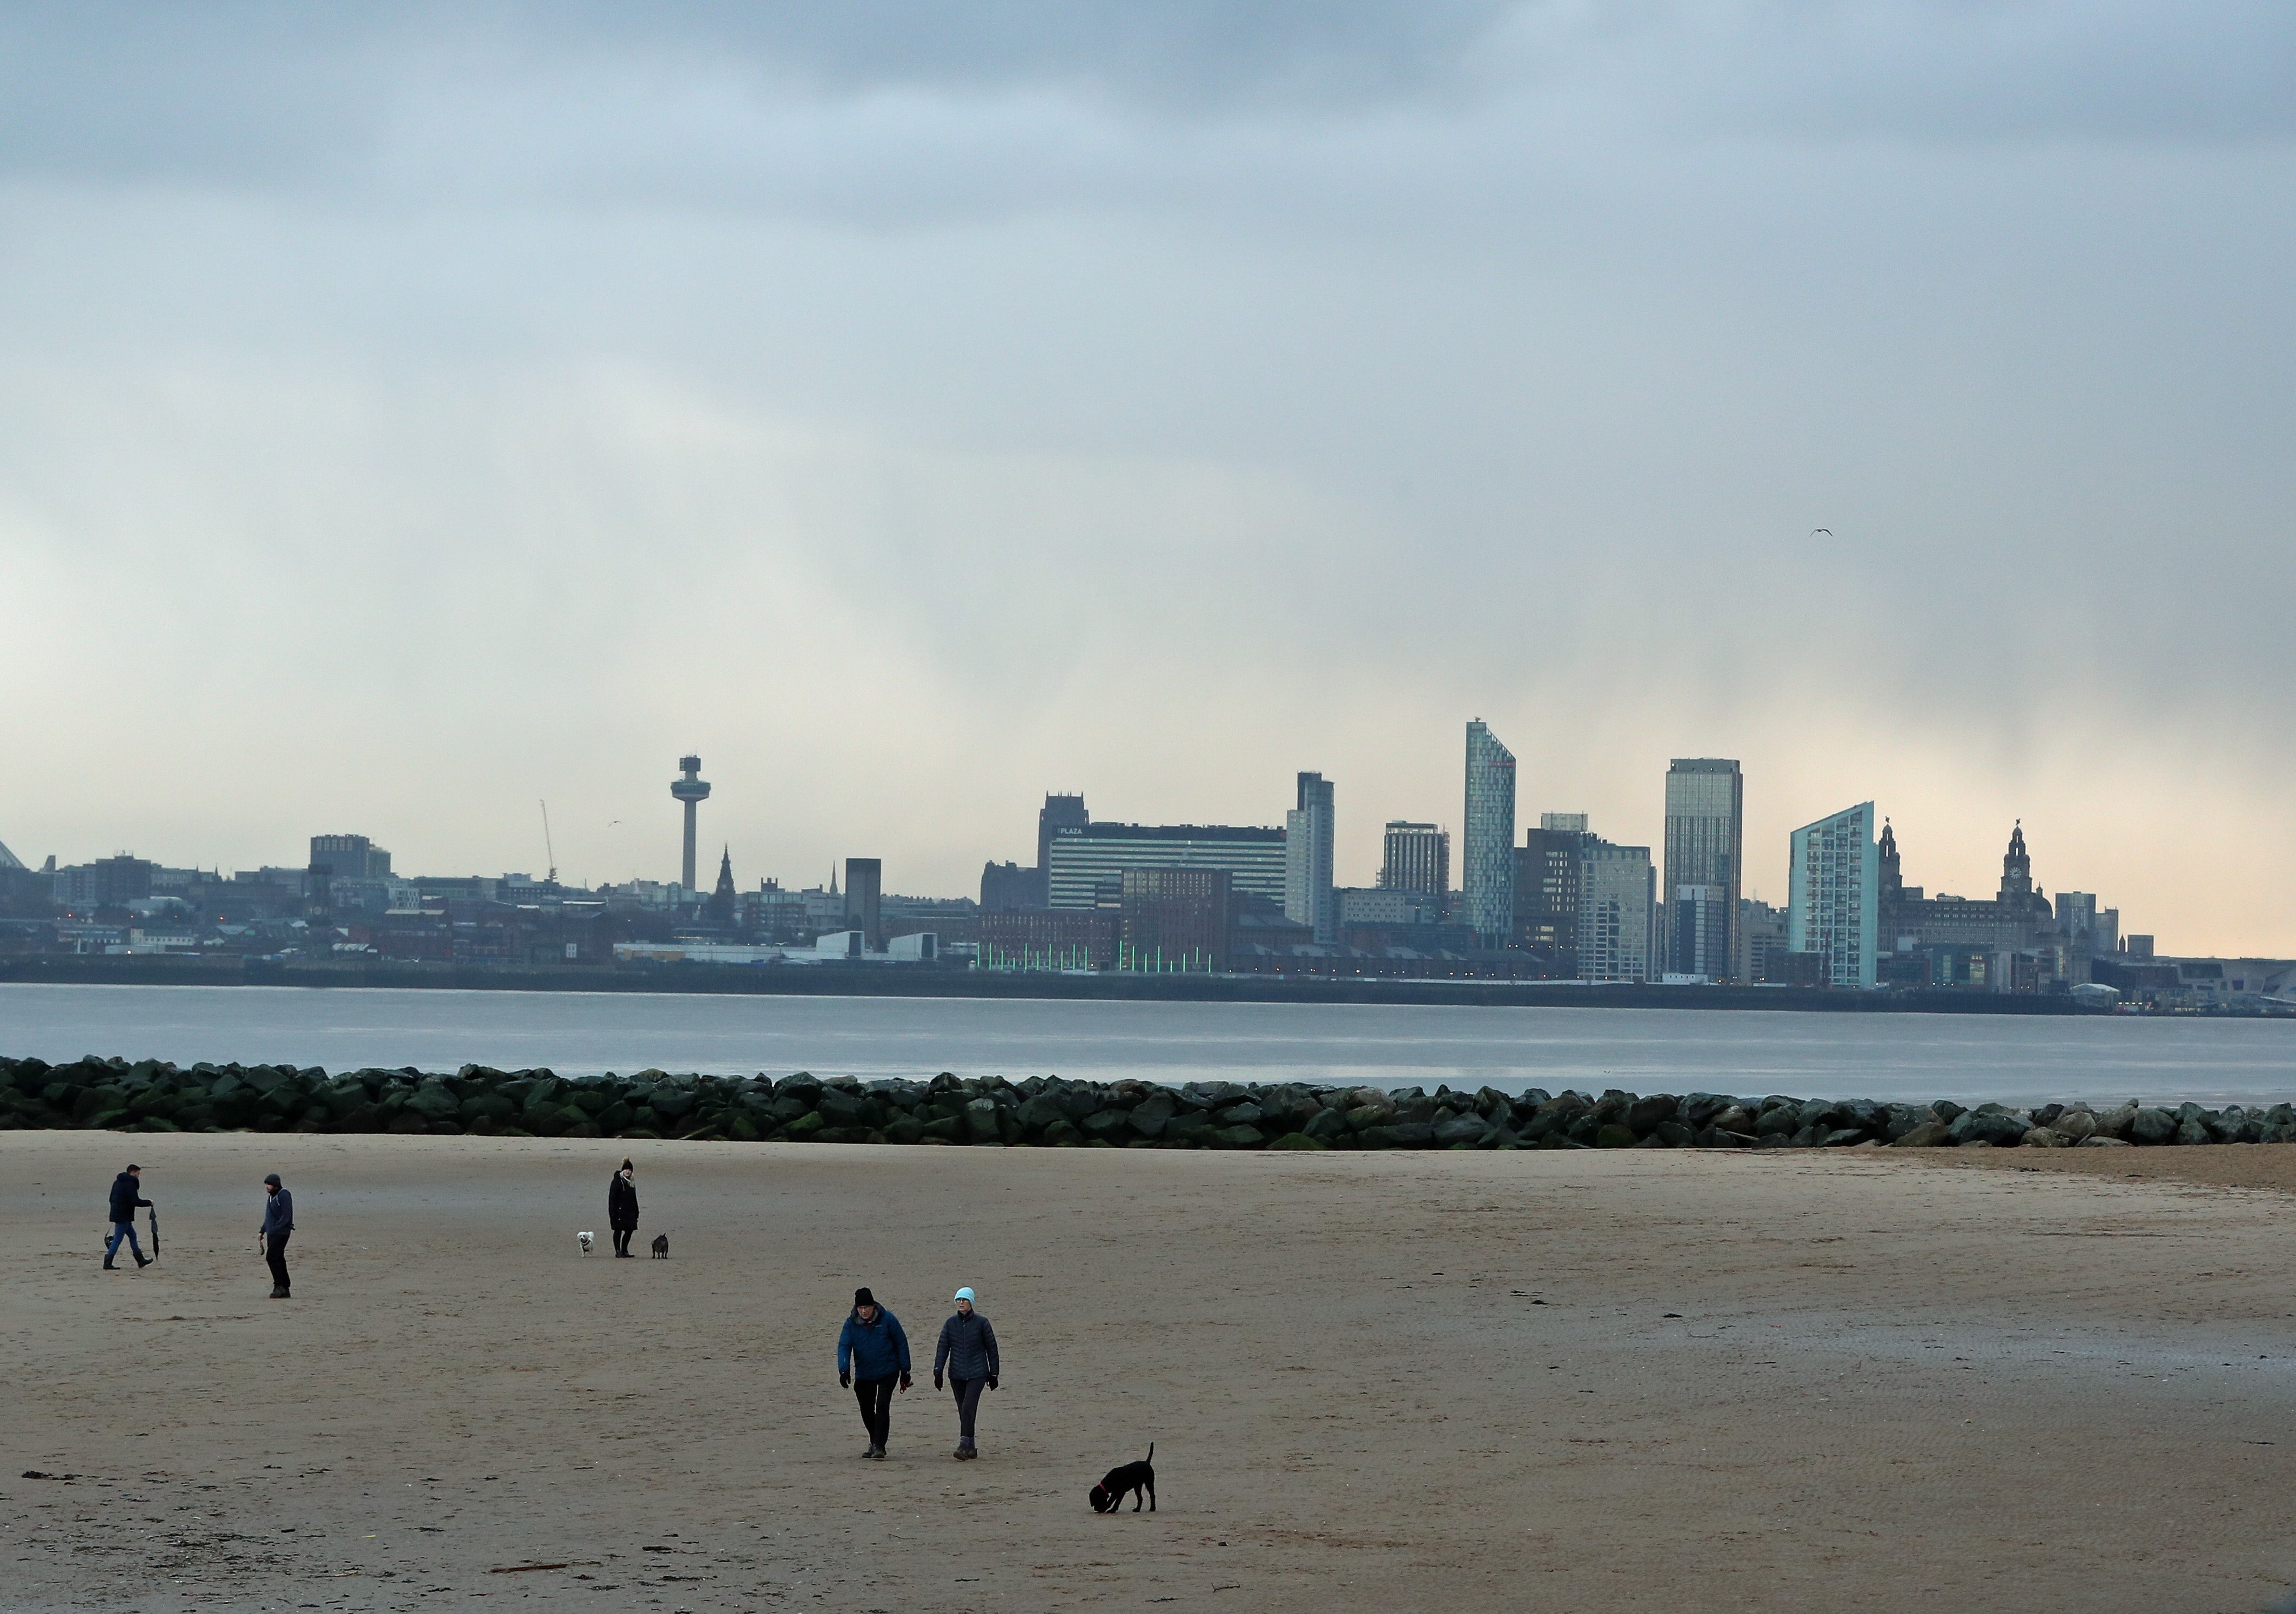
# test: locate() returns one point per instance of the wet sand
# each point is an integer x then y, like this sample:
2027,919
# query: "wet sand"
1585,1381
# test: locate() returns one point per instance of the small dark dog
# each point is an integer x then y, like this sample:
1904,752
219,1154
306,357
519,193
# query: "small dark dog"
1134,1477
661,1247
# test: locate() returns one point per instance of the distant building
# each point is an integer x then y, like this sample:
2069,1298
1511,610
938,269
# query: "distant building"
1833,902
1007,888
1381,907
2016,918
1050,941
1487,852
1547,886
865,879
1060,812
1084,861
1175,919
1415,858
109,882
690,791
1308,836
722,900
349,857
2086,929
1617,893
1699,936
1706,847
1762,937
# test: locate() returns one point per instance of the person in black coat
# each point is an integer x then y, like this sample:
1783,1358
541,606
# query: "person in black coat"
622,1208
968,1351
126,1194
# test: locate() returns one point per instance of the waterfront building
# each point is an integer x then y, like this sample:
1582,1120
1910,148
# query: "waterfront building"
1037,940
1083,860
1174,919
865,884
1547,890
2016,918
1307,835
1415,858
1487,853
723,899
1617,889
1705,846
1834,898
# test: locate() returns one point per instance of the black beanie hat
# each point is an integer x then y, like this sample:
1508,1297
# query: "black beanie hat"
627,1166
862,1297
274,1180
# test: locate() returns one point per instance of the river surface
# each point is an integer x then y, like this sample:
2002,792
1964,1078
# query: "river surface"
1969,1057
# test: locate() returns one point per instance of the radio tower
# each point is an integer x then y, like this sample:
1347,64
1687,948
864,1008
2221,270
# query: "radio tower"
694,791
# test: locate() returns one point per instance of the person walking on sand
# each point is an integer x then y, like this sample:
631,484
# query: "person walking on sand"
126,1194
278,1222
871,1352
968,1349
622,1208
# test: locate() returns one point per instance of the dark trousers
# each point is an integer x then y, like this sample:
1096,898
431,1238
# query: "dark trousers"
622,1236
968,1401
876,1399
275,1251
122,1230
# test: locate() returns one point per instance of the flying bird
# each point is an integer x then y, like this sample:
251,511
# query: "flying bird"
1828,532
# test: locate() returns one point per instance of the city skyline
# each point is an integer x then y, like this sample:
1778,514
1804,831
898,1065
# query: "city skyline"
911,419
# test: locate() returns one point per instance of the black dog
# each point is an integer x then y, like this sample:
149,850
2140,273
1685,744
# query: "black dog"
1134,1477
661,1247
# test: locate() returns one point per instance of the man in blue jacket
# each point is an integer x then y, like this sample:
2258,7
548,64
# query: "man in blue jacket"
126,1196
278,1223
871,1352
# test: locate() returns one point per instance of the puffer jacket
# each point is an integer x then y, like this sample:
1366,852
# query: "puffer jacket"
967,1348
872,1350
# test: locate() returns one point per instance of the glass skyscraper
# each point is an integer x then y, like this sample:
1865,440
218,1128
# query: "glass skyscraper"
1834,896
1705,846
1309,899
1486,841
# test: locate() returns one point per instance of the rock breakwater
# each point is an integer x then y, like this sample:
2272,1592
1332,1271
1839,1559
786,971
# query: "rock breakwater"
1048,1111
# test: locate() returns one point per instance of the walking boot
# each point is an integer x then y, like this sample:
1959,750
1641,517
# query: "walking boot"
107,1266
143,1261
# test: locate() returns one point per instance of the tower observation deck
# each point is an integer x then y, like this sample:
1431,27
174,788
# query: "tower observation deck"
692,790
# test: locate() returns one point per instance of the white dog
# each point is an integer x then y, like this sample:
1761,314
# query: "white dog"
585,1238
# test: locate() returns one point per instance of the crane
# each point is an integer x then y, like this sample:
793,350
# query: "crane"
551,850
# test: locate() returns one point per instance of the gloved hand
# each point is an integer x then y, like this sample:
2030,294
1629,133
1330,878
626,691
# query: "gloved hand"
905,1383
844,1380
992,1382
936,1381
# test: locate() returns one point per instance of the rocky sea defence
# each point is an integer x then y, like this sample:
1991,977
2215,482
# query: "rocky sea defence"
149,1095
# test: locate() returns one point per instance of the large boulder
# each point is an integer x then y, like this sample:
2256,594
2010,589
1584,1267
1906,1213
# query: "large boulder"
1645,1113
2074,1124
1461,1129
2043,1137
2194,1131
1929,1135
2151,1126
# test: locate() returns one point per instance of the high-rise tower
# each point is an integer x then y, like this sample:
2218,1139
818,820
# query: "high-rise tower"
1705,846
1309,899
1487,849
694,791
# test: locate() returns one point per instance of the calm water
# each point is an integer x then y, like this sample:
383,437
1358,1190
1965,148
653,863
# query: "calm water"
1892,1056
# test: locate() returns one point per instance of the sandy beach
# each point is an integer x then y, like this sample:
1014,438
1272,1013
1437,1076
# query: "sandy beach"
1546,1380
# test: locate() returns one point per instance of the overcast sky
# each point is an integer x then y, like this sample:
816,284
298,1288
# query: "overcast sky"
407,416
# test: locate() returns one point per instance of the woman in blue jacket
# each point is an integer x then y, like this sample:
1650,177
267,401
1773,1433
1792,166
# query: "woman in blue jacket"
871,1352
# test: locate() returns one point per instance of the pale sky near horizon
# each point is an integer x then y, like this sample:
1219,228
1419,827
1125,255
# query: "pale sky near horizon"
408,415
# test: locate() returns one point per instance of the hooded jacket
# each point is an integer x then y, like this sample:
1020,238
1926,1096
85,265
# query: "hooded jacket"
279,1214
621,1203
872,1350
125,1198
968,1347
